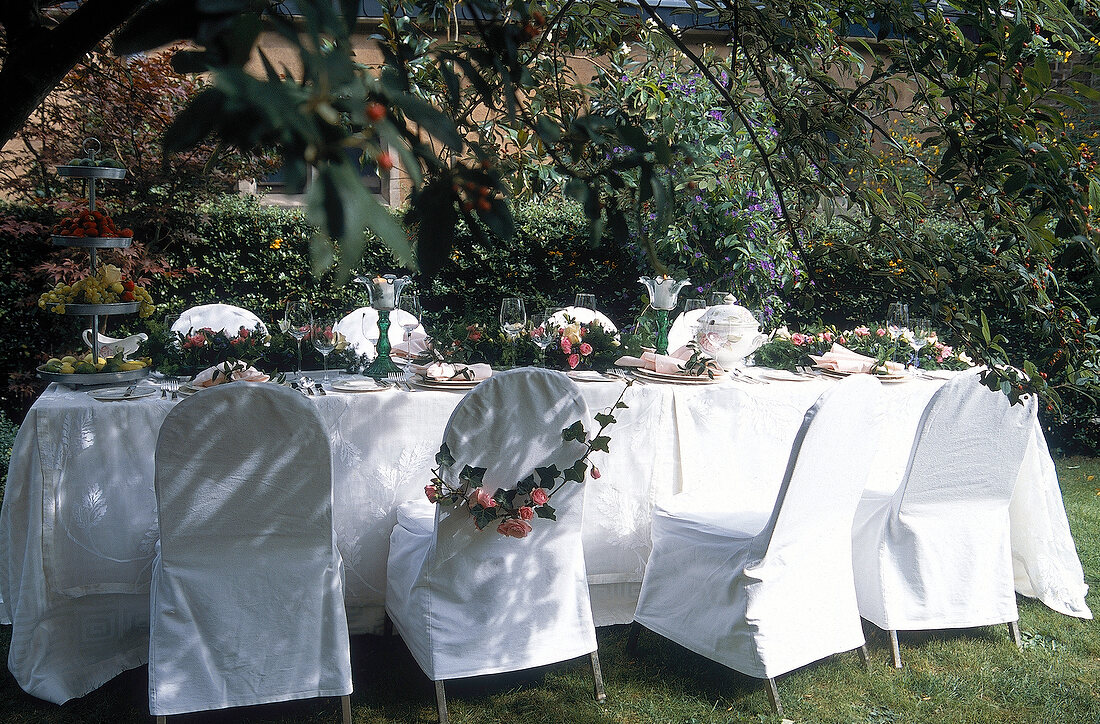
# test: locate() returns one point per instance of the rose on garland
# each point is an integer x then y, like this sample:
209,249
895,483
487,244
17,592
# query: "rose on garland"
512,509
581,346
787,350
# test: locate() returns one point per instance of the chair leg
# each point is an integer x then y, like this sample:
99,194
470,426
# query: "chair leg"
632,637
1014,632
597,676
895,650
345,708
773,696
160,720
441,702
865,657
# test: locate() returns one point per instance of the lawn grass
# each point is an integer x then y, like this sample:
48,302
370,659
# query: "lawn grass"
969,677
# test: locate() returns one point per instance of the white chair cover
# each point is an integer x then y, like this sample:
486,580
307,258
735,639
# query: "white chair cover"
218,317
363,341
680,333
470,602
937,554
247,595
584,315
765,593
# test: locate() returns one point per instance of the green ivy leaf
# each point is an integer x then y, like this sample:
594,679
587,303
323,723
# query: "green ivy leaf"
604,419
547,476
472,476
576,473
443,458
545,511
600,442
573,432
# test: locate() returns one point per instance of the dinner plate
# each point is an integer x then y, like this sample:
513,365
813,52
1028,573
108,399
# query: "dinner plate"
363,385
114,394
676,378
587,376
437,384
939,374
781,375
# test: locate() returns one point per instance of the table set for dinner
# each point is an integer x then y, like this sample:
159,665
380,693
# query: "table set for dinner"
79,529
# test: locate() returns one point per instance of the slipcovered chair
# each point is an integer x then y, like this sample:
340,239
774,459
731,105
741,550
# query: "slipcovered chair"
470,602
360,328
247,595
766,592
683,328
584,315
936,553
218,317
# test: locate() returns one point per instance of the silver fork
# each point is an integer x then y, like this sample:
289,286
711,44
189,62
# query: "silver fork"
398,380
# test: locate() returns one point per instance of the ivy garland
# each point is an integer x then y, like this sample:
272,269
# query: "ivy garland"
513,508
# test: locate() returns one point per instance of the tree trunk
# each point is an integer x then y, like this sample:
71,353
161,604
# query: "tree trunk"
38,60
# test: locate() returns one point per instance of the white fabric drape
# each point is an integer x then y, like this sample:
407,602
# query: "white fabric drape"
247,596
470,602
683,327
583,315
936,553
79,517
360,328
218,317
770,590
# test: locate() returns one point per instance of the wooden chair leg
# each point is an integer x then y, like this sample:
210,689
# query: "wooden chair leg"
597,676
1014,632
632,637
345,708
895,650
441,702
773,696
865,657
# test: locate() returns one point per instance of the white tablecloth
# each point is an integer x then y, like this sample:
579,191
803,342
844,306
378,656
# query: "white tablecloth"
79,517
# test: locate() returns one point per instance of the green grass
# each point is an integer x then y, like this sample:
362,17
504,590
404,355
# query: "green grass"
970,677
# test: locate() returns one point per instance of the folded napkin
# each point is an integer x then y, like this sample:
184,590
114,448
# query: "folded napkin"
415,345
216,375
448,371
842,359
668,364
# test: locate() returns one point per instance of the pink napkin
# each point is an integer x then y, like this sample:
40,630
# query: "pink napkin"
663,363
206,377
448,371
842,359
413,346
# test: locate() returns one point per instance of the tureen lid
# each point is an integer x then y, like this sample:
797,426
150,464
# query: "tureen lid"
728,313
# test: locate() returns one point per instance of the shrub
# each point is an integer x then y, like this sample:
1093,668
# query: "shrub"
8,429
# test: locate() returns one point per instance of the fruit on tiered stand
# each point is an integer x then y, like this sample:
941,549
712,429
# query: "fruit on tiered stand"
69,365
106,286
90,224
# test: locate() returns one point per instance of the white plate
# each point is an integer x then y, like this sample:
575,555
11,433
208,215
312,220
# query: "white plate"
456,384
587,376
676,379
939,374
115,394
781,375
363,385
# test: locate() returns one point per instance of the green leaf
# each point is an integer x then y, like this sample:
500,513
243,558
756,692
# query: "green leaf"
545,511
985,328
430,119
547,476
573,432
604,419
195,122
600,442
576,473
443,458
472,476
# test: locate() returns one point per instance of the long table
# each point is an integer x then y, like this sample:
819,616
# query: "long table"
78,524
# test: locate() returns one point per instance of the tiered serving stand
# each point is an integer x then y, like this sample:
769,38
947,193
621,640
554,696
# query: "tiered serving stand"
91,175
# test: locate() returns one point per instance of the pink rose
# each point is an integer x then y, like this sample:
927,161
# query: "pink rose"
566,345
828,336
880,332
842,340
482,497
595,473
197,339
514,527
947,350
797,339
539,496
574,360
243,334
939,358
861,331
473,333
586,348
526,513
432,493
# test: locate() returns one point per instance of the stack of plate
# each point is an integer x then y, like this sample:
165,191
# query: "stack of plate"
365,384
116,394
434,383
676,378
889,377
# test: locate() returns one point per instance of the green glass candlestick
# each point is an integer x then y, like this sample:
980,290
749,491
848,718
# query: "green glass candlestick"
662,331
383,366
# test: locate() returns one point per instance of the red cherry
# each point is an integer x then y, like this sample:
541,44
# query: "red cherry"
128,285
375,111
384,161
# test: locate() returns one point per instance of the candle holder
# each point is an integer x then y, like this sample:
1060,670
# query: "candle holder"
385,294
662,297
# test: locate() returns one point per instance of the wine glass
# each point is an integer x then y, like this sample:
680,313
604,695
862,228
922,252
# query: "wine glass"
513,317
690,304
921,331
544,331
897,318
323,336
717,299
410,303
585,301
298,321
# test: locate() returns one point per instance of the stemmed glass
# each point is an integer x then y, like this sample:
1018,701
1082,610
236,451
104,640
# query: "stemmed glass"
410,303
921,331
298,322
513,317
897,318
544,331
323,336
585,301
690,304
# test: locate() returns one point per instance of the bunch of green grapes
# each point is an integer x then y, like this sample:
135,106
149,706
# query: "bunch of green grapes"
146,306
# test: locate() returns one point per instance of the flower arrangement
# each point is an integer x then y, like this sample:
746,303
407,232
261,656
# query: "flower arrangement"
513,509
581,346
788,350
187,353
